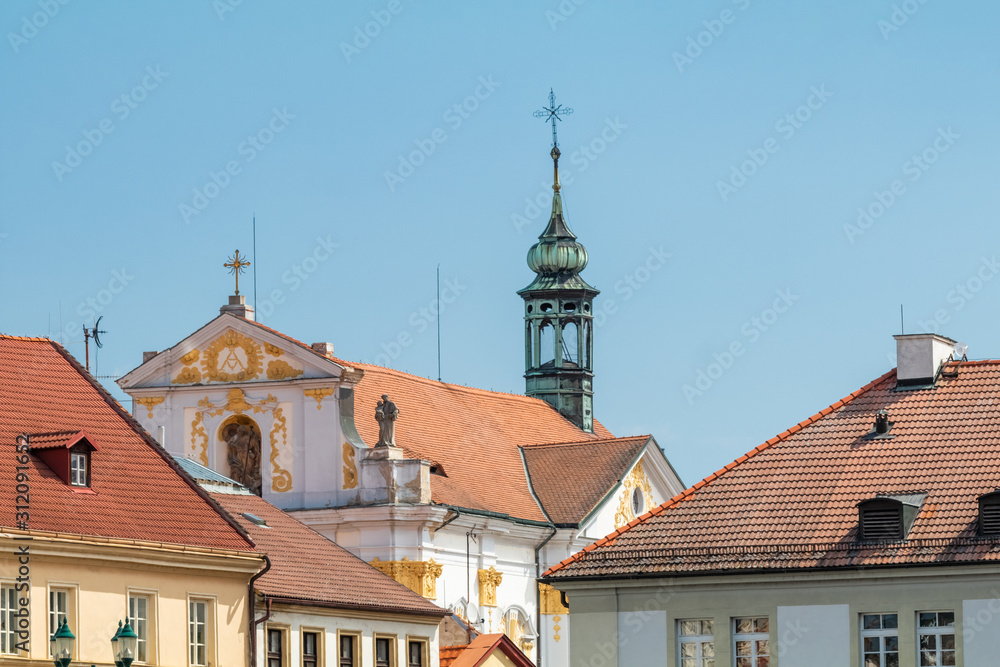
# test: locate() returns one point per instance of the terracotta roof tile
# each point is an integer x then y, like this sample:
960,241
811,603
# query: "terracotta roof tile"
139,492
307,567
571,478
791,502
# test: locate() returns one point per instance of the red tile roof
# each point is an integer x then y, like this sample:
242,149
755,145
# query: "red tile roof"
138,491
59,439
308,568
571,478
791,502
481,648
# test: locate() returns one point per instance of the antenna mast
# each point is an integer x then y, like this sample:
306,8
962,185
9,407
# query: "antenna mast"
439,318
255,262
95,333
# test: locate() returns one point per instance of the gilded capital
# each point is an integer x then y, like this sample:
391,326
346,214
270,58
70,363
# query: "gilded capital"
488,582
417,575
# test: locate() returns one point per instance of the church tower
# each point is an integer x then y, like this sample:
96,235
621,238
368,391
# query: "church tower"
559,312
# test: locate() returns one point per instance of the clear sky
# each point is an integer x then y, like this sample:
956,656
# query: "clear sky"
714,167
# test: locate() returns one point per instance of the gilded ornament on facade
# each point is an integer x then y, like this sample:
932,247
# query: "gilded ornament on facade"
281,370
273,350
233,357
350,469
636,480
319,394
488,582
556,627
281,479
149,402
188,375
190,357
419,576
198,433
551,600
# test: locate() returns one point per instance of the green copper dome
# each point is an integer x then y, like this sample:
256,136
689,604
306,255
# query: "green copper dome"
558,257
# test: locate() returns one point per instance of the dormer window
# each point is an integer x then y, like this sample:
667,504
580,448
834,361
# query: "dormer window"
989,513
66,453
79,468
888,518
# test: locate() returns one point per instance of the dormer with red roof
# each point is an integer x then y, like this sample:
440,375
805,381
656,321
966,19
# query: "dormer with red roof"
66,453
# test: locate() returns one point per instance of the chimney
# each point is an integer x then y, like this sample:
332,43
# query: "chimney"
238,306
326,349
919,358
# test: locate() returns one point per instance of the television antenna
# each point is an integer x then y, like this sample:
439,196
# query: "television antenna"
95,333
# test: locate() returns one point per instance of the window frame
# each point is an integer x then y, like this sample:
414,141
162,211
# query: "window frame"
937,631
9,606
355,638
78,452
393,648
151,643
698,640
752,637
425,650
320,645
210,631
283,656
881,632
72,596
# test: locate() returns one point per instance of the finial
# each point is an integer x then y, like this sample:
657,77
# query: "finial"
552,113
236,265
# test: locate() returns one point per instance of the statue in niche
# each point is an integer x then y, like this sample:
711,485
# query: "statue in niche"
386,414
243,454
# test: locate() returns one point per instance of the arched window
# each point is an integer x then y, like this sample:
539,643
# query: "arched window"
242,438
571,345
547,344
518,628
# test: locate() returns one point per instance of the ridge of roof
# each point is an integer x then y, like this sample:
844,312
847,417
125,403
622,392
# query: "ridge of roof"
151,442
37,339
692,490
577,443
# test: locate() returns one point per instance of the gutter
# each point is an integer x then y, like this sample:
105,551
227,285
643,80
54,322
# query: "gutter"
251,606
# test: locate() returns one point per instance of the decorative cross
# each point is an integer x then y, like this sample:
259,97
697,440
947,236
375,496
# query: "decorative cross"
237,265
553,113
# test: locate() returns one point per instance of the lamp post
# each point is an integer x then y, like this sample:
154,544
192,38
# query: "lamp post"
115,649
62,645
128,643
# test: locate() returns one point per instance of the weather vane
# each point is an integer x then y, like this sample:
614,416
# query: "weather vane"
553,113
237,265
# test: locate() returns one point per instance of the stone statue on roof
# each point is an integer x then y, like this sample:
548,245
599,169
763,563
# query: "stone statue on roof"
386,414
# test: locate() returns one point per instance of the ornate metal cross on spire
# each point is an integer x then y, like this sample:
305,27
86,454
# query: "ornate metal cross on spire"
237,265
553,113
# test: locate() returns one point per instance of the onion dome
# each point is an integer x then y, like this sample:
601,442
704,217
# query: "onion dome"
557,250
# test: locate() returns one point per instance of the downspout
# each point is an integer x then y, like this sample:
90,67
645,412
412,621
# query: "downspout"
253,611
538,591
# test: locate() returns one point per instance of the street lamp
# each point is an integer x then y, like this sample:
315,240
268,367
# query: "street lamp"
115,649
62,645
128,643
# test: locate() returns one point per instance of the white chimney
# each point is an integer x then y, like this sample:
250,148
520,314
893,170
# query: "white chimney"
919,357
238,306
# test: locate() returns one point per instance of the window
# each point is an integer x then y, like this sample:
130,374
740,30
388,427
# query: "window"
198,632
936,637
275,647
696,643
8,620
638,502
58,608
385,651
348,648
138,618
78,469
751,642
417,653
989,513
879,640
310,649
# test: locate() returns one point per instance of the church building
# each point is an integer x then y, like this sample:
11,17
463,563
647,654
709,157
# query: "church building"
464,495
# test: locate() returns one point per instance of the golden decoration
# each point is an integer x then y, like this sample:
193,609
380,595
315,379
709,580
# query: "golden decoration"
281,370
488,582
236,402
149,402
419,576
281,479
636,480
551,600
273,350
556,627
188,375
236,266
198,430
190,357
319,395
350,469
231,368
527,645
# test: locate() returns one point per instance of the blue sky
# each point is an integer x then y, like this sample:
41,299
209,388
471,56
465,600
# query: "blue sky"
773,179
